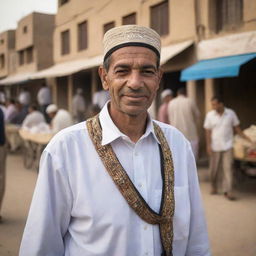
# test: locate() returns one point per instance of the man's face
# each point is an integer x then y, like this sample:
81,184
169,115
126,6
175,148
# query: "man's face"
132,80
218,106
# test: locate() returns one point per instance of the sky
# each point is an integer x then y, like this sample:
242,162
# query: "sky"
11,11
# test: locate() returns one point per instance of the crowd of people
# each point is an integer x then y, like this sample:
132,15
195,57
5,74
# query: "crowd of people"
220,124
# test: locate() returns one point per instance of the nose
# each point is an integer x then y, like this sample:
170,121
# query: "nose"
135,81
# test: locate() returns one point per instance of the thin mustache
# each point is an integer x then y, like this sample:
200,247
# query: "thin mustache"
134,92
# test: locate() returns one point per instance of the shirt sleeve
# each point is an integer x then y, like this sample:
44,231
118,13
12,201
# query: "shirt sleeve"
198,242
235,119
50,211
207,122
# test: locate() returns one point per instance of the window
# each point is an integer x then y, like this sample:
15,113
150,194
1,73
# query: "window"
129,19
2,61
228,14
65,48
29,52
82,36
25,30
108,26
61,2
21,57
159,18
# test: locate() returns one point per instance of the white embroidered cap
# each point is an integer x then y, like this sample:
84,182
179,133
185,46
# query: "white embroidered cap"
165,93
131,35
51,109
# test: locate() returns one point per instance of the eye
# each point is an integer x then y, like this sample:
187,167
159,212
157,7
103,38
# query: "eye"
121,71
148,72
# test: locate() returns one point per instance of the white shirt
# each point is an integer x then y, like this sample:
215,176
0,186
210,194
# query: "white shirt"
61,120
221,127
44,96
100,98
78,104
32,119
77,209
24,98
183,114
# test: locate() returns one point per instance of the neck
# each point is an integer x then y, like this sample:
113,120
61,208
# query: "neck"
132,126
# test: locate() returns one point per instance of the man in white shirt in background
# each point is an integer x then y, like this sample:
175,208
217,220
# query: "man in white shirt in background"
220,124
60,118
119,184
24,97
184,115
33,118
78,106
100,98
44,98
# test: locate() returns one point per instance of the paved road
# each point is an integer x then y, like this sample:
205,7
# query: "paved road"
232,225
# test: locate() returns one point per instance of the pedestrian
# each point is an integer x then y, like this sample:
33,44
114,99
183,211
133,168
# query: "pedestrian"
44,98
219,125
24,97
184,115
119,183
166,97
34,118
100,98
2,161
60,118
78,106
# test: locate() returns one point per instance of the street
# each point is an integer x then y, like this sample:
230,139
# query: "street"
231,224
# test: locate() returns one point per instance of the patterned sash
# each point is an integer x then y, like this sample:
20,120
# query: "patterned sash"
128,190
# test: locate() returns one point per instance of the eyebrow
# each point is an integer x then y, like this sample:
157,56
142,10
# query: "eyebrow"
140,67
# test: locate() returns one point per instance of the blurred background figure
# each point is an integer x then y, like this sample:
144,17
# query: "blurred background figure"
2,103
166,97
24,98
33,118
60,118
44,98
184,115
100,98
2,160
93,110
11,110
19,115
78,106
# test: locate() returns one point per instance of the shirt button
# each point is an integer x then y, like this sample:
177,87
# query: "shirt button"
136,154
146,253
145,227
140,185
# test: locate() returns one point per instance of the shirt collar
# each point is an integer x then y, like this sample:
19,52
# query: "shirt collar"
110,132
224,112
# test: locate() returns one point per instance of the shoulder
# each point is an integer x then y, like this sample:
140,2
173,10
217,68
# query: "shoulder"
65,139
173,135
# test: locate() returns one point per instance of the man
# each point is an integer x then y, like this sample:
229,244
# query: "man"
34,118
11,110
219,125
24,97
78,106
60,118
44,98
107,186
184,115
166,97
2,160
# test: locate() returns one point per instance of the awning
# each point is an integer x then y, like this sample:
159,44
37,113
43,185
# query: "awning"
170,51
216,68
16,78
67,68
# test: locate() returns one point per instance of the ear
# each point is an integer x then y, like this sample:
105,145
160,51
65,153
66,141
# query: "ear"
103,77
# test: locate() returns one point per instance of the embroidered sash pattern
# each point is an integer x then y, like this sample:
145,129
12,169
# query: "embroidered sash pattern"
165,218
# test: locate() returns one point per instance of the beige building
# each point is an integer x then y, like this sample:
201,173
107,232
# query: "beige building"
33,52
81,24
7,52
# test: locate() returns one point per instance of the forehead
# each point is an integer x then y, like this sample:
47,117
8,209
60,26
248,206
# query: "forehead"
132,55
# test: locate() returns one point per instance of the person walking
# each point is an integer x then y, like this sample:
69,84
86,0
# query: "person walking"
184,115
78,106
2,161
166,97
219,125
116,184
